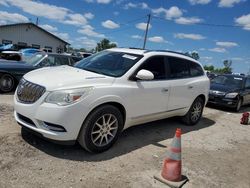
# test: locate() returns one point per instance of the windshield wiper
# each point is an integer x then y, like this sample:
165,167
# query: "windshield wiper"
91,70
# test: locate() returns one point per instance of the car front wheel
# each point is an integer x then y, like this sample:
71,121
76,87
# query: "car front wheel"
101,129
195,112
7,83
238,105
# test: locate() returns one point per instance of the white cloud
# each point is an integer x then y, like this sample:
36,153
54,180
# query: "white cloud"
202,2
89,15
244,21
229,3
110,24
227,44
157,39
6,17
206,58
237,59
40,9
143,26
57,13
136,5
219,50
116,13
4,3
85,42
49,28
89,31
104,1
64,36
189,36
172,12
188,21
136,37
75,19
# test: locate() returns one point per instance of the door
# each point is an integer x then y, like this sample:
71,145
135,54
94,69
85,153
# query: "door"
149,98
182,86
247,91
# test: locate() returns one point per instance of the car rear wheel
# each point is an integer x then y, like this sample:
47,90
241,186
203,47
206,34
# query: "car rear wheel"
238,105
7,83
195,112
101,129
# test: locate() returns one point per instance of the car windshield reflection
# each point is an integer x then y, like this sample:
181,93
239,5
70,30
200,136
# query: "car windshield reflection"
109,63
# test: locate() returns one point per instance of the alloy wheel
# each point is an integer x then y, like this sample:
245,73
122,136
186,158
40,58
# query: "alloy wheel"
196,111
104,130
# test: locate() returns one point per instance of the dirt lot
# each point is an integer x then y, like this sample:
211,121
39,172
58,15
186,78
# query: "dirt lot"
215,153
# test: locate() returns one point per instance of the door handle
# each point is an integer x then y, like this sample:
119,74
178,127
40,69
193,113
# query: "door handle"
190,87
164,90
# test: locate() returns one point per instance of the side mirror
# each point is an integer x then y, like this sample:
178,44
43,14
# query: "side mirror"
145,75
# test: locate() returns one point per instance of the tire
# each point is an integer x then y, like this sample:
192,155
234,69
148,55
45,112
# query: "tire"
101,129
238,105
7,83
195,112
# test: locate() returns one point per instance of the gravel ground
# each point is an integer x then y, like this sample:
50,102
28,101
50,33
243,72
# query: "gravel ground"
215,153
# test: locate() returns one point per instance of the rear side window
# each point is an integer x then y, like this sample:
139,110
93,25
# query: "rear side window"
178,68
61,60
195,69
156,65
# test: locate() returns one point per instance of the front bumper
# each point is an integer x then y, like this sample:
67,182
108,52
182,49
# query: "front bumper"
222,101
37,116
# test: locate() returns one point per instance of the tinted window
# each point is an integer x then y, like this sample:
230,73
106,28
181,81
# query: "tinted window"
228,81
156,65
109,63
48,61
247,85
195,69
61,60
178,68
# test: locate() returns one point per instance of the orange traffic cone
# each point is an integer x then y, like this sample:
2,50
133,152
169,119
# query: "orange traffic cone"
171,171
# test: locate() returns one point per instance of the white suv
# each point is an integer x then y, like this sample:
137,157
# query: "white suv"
109,92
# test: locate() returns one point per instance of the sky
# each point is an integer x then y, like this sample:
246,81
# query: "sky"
217,29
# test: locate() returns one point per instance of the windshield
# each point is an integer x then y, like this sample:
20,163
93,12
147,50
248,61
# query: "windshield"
109,63
33,60
230,81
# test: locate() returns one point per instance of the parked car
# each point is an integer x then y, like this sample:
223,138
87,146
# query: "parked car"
11,55
12,71
108,92
230,91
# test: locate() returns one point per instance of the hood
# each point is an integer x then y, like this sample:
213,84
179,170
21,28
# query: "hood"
7,64
66,77
222,88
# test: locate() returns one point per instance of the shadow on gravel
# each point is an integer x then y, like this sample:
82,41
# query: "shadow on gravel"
130,140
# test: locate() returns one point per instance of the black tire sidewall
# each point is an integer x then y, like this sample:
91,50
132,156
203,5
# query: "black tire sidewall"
187,117
89,123
12,86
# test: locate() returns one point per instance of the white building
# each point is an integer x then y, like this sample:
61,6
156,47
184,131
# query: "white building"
24,35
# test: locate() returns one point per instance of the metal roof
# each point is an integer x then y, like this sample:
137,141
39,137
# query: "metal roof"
30,23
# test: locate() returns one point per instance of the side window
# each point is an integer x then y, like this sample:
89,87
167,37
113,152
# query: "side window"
157,66
195,69
178,68
247,85
61,61
48,61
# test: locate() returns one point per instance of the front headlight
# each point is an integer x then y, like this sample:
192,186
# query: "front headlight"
66,97
231,95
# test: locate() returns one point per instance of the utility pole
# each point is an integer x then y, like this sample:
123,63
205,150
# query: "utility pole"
37,21
146,34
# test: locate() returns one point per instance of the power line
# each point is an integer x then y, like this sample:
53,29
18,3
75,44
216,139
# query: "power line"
203,24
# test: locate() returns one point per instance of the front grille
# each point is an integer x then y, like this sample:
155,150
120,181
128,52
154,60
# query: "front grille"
28,92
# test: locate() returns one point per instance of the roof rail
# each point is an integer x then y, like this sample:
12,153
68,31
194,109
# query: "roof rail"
169,52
